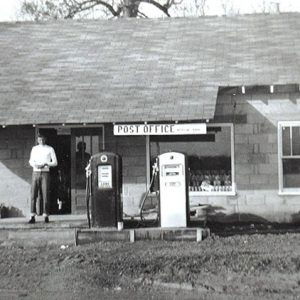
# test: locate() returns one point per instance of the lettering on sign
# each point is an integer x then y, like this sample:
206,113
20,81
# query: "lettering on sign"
159,129
104,177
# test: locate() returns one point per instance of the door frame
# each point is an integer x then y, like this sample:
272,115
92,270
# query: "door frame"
68,131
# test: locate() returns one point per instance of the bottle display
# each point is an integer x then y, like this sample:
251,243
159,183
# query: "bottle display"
210,181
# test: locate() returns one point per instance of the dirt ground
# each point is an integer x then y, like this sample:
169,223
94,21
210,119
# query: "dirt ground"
258,266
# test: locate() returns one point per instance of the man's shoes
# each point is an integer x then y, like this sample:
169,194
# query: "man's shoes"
32,220
46,219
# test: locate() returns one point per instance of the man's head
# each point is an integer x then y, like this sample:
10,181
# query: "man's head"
41,140
81,146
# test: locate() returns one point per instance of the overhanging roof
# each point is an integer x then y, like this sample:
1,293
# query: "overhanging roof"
130,70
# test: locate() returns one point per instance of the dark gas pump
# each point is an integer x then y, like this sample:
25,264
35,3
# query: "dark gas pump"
104,189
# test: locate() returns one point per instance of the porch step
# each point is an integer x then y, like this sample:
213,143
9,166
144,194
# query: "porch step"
73,229
94,235
56,221
37,237
61,230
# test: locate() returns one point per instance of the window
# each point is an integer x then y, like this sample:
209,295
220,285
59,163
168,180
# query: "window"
289,157
210,158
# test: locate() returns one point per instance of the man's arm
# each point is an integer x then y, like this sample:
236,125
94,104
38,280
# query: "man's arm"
53,162
32,160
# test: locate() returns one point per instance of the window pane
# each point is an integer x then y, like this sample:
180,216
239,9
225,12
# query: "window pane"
209,157
286,144
95,146
296,140
291,173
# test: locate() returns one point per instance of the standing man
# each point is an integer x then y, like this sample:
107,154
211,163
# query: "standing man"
42,157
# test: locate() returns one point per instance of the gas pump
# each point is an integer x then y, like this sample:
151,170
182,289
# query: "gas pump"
173,186
104,188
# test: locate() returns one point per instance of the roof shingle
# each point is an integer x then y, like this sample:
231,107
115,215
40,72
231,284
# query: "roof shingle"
139,70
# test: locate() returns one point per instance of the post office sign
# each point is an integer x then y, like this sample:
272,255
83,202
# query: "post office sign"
160,129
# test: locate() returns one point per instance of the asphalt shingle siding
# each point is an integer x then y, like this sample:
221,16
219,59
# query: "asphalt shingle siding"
129,70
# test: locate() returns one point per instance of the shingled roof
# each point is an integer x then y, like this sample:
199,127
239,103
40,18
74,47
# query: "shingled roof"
129,70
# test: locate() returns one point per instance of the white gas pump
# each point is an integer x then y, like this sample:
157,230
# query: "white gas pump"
173,186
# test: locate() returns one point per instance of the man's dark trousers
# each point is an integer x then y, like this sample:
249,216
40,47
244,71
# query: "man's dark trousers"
40,182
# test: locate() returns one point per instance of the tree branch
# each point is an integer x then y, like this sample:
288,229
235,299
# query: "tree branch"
77,7
163,8
142,14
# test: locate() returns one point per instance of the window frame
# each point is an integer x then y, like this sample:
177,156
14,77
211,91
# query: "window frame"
202,193
281,189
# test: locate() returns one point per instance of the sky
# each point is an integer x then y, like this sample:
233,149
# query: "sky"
9,9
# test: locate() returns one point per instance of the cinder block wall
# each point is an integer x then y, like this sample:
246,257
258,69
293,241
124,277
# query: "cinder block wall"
133,152
15,172
255,117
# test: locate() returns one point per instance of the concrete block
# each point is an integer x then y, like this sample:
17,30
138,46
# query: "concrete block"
141,179
232,201
268,128
134,161
242,179
131,151
15,164
255,128
241,139
199,235
87,236
256,148
272,159
272,198
258,138
267,169
241,158
268,147
272,138
244,169
255,118
4,154
171,234
244,148
255,200
42,236
16,143
244,129
3,143
137,171
259,158
273,180
129,179
259,179
131,236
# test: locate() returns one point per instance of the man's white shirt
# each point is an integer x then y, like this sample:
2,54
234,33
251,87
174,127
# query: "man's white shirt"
40,155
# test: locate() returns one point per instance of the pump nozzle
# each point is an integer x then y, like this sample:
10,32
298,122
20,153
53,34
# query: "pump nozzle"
88,171
155,166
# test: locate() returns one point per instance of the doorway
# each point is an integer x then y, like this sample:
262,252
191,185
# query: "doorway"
85,142
60,183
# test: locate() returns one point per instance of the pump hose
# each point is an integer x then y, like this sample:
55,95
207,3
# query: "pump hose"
145,197
87,197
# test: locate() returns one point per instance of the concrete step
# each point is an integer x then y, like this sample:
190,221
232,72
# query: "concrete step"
73,229
37,237
61,230
56,221
94,235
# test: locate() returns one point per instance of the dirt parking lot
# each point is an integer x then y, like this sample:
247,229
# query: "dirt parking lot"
257,266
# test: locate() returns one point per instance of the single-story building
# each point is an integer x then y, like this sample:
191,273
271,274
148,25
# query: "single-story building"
90,81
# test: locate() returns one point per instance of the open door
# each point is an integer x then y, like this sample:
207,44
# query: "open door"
85,142
60,182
